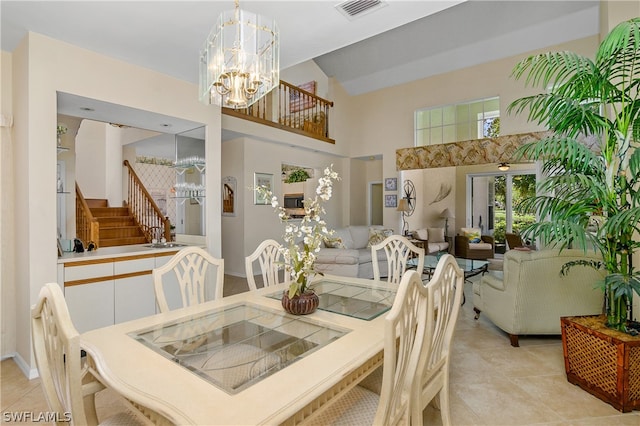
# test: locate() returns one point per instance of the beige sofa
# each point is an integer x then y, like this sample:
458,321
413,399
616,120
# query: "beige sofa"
352,256
529,296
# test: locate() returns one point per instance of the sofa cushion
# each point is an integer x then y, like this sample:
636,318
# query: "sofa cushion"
436,247
339,256
422,234
376,236
360,236
436,235
472,233
480,246
345,235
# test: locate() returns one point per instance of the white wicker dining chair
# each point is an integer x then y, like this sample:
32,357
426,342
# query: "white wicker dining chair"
404,343
69,381
271,263
445,290
398,250
189,266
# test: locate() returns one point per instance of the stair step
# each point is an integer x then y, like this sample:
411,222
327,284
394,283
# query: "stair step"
111,242
97,202
113,221
109,211
120,232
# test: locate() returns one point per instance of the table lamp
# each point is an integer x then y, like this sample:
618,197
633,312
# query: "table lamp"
446,215
403,206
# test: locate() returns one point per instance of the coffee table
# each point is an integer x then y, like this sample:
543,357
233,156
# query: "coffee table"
470,267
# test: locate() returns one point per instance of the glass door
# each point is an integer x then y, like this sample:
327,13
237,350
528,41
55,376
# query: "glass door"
493,203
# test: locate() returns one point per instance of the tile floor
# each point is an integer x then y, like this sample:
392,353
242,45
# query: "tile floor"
492,383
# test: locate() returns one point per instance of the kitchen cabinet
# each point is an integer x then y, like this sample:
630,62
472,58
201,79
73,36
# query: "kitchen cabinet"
107,291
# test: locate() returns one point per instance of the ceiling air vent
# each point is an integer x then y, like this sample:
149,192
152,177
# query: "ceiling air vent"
353,9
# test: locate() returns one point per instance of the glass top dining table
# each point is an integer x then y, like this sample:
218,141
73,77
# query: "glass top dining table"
242,359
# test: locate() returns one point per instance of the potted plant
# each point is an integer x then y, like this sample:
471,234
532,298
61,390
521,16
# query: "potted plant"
590,195
298,175
302,242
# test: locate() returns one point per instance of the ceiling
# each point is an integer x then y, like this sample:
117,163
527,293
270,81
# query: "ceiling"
400,42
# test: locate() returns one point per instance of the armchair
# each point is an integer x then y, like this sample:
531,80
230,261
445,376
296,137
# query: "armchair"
529,295
469,244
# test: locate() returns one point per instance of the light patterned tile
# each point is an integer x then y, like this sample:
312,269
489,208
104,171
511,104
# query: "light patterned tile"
501,402
566,399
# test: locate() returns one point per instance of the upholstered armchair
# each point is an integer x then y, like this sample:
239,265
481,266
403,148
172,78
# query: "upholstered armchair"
529,295
431,239
471,245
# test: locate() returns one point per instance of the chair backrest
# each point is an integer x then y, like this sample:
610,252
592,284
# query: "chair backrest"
271,263
513,240
404,342
56,345
398,250
445,290
190,267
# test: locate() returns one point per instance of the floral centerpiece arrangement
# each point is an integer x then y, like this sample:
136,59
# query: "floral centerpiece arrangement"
302,241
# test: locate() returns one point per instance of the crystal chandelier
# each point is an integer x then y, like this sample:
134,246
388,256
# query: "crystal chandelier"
240,61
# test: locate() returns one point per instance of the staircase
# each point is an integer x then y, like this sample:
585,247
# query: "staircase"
117,225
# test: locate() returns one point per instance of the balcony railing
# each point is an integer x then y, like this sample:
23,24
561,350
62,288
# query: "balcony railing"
291,108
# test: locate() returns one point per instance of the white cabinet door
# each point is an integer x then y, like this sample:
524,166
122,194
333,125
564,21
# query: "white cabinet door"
134,295
170,285
90,305
134,298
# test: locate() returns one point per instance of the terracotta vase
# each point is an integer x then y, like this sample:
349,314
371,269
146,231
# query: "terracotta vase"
303,304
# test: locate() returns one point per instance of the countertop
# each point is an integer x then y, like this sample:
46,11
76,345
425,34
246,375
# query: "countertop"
114,252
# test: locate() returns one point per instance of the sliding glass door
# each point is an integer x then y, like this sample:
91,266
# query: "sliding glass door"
493,203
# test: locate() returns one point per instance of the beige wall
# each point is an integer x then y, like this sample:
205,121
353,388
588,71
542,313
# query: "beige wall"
244,156
42,66
383,121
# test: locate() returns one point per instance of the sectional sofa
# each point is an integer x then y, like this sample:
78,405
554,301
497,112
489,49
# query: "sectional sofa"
348,253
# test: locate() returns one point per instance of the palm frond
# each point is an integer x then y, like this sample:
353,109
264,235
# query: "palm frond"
624,221
551,67
562,234
574,155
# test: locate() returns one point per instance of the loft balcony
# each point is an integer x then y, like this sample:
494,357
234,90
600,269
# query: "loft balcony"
290,108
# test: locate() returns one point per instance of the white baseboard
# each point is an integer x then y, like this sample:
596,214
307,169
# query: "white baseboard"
30,373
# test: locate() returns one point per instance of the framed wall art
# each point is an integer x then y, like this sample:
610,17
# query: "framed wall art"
391,200
262,179
390,184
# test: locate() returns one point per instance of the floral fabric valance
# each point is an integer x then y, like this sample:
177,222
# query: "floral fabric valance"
477,151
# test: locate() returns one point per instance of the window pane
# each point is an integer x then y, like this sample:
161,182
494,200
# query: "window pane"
463,132
436,117
436,135
448,134
422,119
422,137
462,112
449,115
492,104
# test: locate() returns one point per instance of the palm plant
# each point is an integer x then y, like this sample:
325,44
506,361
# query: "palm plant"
590,196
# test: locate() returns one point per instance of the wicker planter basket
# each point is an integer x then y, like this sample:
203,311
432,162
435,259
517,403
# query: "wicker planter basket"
604,362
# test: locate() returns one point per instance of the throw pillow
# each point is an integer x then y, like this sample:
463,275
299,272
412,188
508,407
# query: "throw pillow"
334,242
376,236
472,233
436,235
422,234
